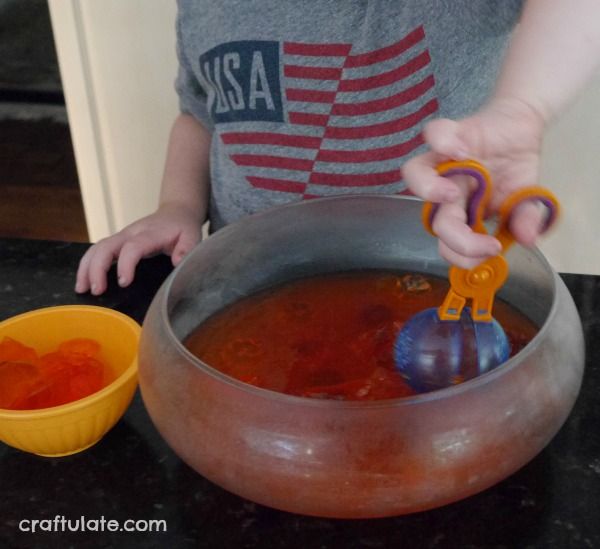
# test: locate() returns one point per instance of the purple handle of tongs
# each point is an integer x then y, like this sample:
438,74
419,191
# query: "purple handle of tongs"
535,194
475,197
550,208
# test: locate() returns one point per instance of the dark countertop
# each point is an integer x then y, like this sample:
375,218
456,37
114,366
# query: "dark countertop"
132,474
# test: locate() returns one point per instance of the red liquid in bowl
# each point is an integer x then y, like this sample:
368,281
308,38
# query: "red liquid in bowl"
329,336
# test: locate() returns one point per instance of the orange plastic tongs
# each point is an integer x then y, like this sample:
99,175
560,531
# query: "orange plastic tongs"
481,283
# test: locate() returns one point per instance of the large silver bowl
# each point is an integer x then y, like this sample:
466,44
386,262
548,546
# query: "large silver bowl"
351,459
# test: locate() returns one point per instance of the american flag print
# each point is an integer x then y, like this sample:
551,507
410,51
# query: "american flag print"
321,119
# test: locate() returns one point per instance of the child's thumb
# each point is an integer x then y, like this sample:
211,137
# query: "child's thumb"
184,245
443,136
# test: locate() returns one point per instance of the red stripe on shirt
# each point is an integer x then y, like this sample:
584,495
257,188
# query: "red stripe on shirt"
378,105
355,180
271,184
386,78
389,52
383,128
310,96
268,161
313,73
271,138
316,50
308,119
370,155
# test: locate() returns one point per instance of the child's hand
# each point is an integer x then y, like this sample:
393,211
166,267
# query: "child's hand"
173,230
506,138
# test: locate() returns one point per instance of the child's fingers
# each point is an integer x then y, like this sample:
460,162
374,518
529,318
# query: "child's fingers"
82,280
101,258
526,223
459,260
462,247
443,136
132,251
458,243
423,180
444,139
186,241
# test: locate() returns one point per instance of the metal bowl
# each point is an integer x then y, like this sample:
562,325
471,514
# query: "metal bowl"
351,459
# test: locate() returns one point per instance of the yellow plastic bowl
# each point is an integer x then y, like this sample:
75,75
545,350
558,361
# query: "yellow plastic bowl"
77,425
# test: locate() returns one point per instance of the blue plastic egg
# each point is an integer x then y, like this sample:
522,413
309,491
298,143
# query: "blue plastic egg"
432,353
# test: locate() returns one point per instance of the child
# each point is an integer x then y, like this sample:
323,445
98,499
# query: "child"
286,100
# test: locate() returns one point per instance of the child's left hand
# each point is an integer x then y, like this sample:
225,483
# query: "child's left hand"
505,137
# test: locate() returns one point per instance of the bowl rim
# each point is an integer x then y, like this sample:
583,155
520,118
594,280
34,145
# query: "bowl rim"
438,394
114,386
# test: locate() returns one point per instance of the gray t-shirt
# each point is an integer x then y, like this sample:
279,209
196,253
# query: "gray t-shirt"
308,98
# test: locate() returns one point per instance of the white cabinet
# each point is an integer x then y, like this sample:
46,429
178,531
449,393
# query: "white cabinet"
118,64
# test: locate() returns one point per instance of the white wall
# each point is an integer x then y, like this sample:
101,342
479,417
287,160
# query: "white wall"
571,168
118,64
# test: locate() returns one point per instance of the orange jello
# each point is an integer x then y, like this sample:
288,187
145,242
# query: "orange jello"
29,381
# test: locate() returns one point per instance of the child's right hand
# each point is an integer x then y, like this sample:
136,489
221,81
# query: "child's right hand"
506,137
172,229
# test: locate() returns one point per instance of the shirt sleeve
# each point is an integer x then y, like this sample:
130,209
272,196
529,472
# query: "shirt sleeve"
192,95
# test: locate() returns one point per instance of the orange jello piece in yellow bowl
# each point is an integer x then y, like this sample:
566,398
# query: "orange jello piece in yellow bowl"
72,372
